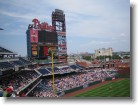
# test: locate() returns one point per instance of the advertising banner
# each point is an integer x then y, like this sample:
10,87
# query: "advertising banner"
61,33
33,36
62,44
34,49
45,51
61,39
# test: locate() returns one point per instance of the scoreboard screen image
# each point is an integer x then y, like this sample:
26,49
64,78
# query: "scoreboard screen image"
47,37
43,51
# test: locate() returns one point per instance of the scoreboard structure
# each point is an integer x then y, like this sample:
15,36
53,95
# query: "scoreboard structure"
42,36
59,26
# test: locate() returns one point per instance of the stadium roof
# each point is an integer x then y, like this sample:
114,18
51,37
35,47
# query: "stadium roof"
5,51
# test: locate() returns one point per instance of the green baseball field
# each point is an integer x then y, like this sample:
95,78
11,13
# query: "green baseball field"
112,89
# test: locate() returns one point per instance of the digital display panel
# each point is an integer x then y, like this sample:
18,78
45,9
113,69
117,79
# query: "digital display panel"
47,37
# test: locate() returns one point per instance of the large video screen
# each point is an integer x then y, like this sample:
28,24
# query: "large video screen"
47,37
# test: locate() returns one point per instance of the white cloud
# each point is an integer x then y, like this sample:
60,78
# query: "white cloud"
84,18
28,16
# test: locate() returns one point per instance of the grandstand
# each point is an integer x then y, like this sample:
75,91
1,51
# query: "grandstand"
9,62
4,51
68,81
21,78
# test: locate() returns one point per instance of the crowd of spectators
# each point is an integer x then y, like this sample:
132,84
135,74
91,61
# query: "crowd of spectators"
44,89
18,81
11,86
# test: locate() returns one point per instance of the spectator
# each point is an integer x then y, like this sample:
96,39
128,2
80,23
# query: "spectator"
1,92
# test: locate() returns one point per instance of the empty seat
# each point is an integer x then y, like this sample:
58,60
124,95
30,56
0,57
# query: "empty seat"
43,71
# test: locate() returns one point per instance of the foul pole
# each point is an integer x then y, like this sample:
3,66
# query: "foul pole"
53,73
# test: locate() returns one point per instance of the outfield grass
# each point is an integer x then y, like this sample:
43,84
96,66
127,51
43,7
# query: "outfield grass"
113,89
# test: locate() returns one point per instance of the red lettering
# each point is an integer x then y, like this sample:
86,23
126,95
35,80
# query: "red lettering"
39,26
35,22
43,25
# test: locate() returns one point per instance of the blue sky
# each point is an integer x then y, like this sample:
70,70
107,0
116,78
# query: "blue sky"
91,24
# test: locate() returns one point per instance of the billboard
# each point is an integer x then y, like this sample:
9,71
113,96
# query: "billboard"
62,49
33,36
61,40
61,33
34,50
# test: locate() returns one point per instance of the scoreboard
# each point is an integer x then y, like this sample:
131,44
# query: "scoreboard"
41,36
39,41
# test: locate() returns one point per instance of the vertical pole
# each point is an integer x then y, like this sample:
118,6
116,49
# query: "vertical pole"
104,61
53,73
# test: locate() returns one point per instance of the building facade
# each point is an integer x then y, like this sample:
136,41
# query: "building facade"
103,52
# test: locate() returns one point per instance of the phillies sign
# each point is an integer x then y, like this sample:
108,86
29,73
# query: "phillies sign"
43,26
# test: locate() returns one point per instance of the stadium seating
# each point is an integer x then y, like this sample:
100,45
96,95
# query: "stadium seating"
24,60
75,67
43,71
50,69
4,65
43,90
55,69
19,80
18,63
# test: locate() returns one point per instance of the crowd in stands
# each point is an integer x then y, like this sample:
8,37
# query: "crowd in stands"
4,65
75,80
44,89
16,82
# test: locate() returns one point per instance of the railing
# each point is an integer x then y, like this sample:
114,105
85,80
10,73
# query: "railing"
33,87
24,87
